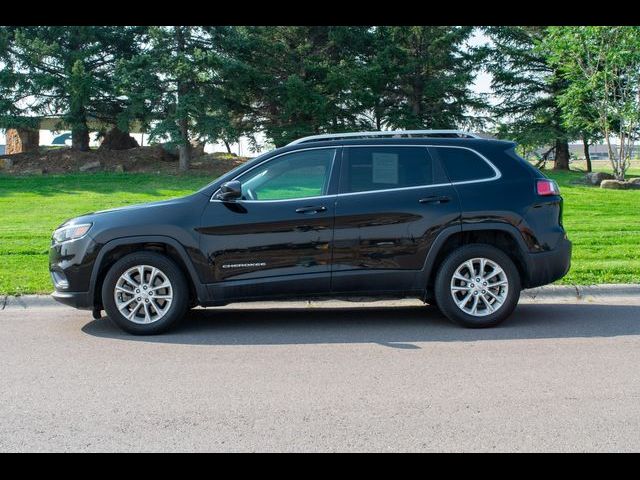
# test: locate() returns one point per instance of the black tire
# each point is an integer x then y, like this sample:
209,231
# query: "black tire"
180,291
443,290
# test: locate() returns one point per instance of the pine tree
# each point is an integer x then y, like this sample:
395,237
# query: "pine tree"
63,71
424,80
175,86
528,87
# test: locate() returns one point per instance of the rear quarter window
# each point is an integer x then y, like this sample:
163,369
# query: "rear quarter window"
463,165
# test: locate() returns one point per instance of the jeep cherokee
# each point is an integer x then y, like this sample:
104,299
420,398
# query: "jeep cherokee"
455,220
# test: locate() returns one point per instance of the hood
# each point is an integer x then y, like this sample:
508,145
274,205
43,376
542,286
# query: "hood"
148,207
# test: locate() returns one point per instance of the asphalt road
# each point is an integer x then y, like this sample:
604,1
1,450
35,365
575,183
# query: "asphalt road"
558,376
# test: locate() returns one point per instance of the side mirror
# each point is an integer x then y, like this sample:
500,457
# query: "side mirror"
230,190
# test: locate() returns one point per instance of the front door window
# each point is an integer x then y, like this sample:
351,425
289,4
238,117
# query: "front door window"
290,176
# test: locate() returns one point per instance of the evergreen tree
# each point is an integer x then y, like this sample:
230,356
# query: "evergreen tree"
425,77
63,71
299,80
175,86
528,87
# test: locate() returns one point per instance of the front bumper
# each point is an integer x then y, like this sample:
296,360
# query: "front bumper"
71,264
547,267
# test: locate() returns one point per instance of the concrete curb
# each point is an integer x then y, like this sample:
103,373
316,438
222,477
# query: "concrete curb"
575,292
582,292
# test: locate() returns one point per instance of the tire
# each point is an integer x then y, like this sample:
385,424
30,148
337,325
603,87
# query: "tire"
153,314
502,297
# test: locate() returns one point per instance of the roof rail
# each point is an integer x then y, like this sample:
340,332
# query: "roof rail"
388,133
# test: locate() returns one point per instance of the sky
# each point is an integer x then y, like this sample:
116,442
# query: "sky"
482,85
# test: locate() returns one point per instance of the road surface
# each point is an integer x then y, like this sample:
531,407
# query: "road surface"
560,375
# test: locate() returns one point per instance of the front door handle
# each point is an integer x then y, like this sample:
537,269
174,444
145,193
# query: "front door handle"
436,199
311,210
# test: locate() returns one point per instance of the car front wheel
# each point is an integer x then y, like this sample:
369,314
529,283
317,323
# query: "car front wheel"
477,286
145,293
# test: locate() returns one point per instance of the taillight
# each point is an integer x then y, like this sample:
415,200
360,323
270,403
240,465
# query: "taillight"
547,187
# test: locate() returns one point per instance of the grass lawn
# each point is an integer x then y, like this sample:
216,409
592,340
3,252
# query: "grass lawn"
31,207
603,224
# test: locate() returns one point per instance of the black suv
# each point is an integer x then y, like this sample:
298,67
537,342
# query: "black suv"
455,220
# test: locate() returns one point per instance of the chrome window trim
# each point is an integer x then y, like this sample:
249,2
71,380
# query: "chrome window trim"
497,175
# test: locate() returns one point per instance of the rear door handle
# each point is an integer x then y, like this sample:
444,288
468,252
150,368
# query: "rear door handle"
436,199
311,210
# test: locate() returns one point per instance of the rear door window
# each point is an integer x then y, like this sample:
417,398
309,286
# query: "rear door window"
368,169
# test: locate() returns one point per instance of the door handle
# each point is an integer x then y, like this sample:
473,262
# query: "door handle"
311,210
435,199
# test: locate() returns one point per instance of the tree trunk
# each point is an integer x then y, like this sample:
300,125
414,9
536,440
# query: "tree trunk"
562,155
184,148
226,144
415,100
183,157
80,137
587,155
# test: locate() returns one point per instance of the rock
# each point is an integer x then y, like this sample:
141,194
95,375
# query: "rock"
119,169
635,181
613,184
90,166
196,164
22,140
165,152
6,163
197,149
618,185
33,171
596,178
116,139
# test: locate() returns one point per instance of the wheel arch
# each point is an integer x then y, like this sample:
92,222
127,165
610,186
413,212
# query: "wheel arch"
505,237
115,249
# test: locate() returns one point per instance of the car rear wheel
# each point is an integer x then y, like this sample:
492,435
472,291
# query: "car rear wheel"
145,293
477,286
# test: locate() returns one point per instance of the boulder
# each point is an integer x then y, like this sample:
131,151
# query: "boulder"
22,140
6,163
596,178
90,166
165,152
197,149
116,139
33,171
119,169
635,181
619,185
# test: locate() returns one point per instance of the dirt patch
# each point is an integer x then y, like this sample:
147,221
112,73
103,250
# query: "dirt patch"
140,159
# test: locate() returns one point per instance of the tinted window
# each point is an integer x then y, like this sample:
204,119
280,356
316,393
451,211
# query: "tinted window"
380,168
463,165
293,175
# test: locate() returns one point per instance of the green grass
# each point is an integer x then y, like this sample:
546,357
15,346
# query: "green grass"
604,225
31,207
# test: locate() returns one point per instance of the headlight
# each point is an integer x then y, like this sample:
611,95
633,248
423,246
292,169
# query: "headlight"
71,232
